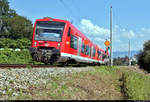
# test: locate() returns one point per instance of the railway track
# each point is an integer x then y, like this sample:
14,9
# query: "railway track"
25,66
3,66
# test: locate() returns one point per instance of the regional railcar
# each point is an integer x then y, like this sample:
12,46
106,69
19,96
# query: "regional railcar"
58,41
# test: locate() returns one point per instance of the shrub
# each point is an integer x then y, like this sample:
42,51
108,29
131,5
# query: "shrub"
15,57
144,57
19,43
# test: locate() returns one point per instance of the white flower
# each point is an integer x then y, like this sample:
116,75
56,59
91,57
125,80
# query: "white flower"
4,92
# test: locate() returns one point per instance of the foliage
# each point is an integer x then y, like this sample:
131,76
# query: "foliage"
133,62
20,27
137,86
144,57
121,61
4,7
15,57
117,61
13,25
19,43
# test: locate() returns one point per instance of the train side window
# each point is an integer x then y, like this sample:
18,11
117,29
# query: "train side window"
89,51
86,49
69,31
73,42
94,52
99,53
103,56
83,48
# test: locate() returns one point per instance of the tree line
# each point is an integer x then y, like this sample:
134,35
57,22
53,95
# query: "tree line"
12,25
123,61
144,57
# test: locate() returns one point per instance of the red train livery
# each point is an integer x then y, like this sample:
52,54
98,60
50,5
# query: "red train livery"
58,41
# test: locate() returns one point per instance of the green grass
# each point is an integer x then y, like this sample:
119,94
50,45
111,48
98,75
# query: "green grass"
137,85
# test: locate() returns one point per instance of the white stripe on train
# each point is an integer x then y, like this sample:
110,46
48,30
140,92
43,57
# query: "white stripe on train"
80,58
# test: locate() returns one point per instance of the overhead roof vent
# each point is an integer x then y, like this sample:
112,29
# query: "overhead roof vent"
51,19
47,18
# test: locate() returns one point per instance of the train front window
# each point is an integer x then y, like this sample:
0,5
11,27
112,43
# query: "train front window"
49,30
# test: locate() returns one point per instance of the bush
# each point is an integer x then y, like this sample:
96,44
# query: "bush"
137,86
133,63
144,57
15,57
19,43
121,61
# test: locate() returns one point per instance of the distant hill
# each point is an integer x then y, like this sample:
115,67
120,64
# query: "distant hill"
124,53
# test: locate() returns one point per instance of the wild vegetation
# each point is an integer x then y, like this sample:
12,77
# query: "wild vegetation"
19,43
123,61
144,57
15,32
8,56
136,85
12,25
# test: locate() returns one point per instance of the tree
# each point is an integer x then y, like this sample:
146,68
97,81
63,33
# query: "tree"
121,61
133,62
4,7
13,25
144,57
117,61
20,27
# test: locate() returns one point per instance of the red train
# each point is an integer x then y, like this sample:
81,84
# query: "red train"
58,41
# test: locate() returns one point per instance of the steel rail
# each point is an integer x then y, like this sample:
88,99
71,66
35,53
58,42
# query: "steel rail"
6,66
25,66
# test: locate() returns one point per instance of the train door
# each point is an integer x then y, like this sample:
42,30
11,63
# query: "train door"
79,45
92,52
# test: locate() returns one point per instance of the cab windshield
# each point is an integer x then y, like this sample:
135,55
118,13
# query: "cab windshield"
49,30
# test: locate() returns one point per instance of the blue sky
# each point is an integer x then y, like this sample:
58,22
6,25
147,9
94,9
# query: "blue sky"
92,17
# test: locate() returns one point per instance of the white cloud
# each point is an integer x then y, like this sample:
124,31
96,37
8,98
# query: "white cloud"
94,32
123,33
99,39
89,28
129,34
146,30
123,29
121,36
141,35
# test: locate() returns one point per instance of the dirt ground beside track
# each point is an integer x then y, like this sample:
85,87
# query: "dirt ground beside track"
98,88
93,87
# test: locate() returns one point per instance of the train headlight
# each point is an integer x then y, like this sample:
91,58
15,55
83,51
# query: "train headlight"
35,43
67,42
58,45
51,19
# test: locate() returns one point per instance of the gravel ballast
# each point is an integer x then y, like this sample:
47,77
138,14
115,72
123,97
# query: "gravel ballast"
21,78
